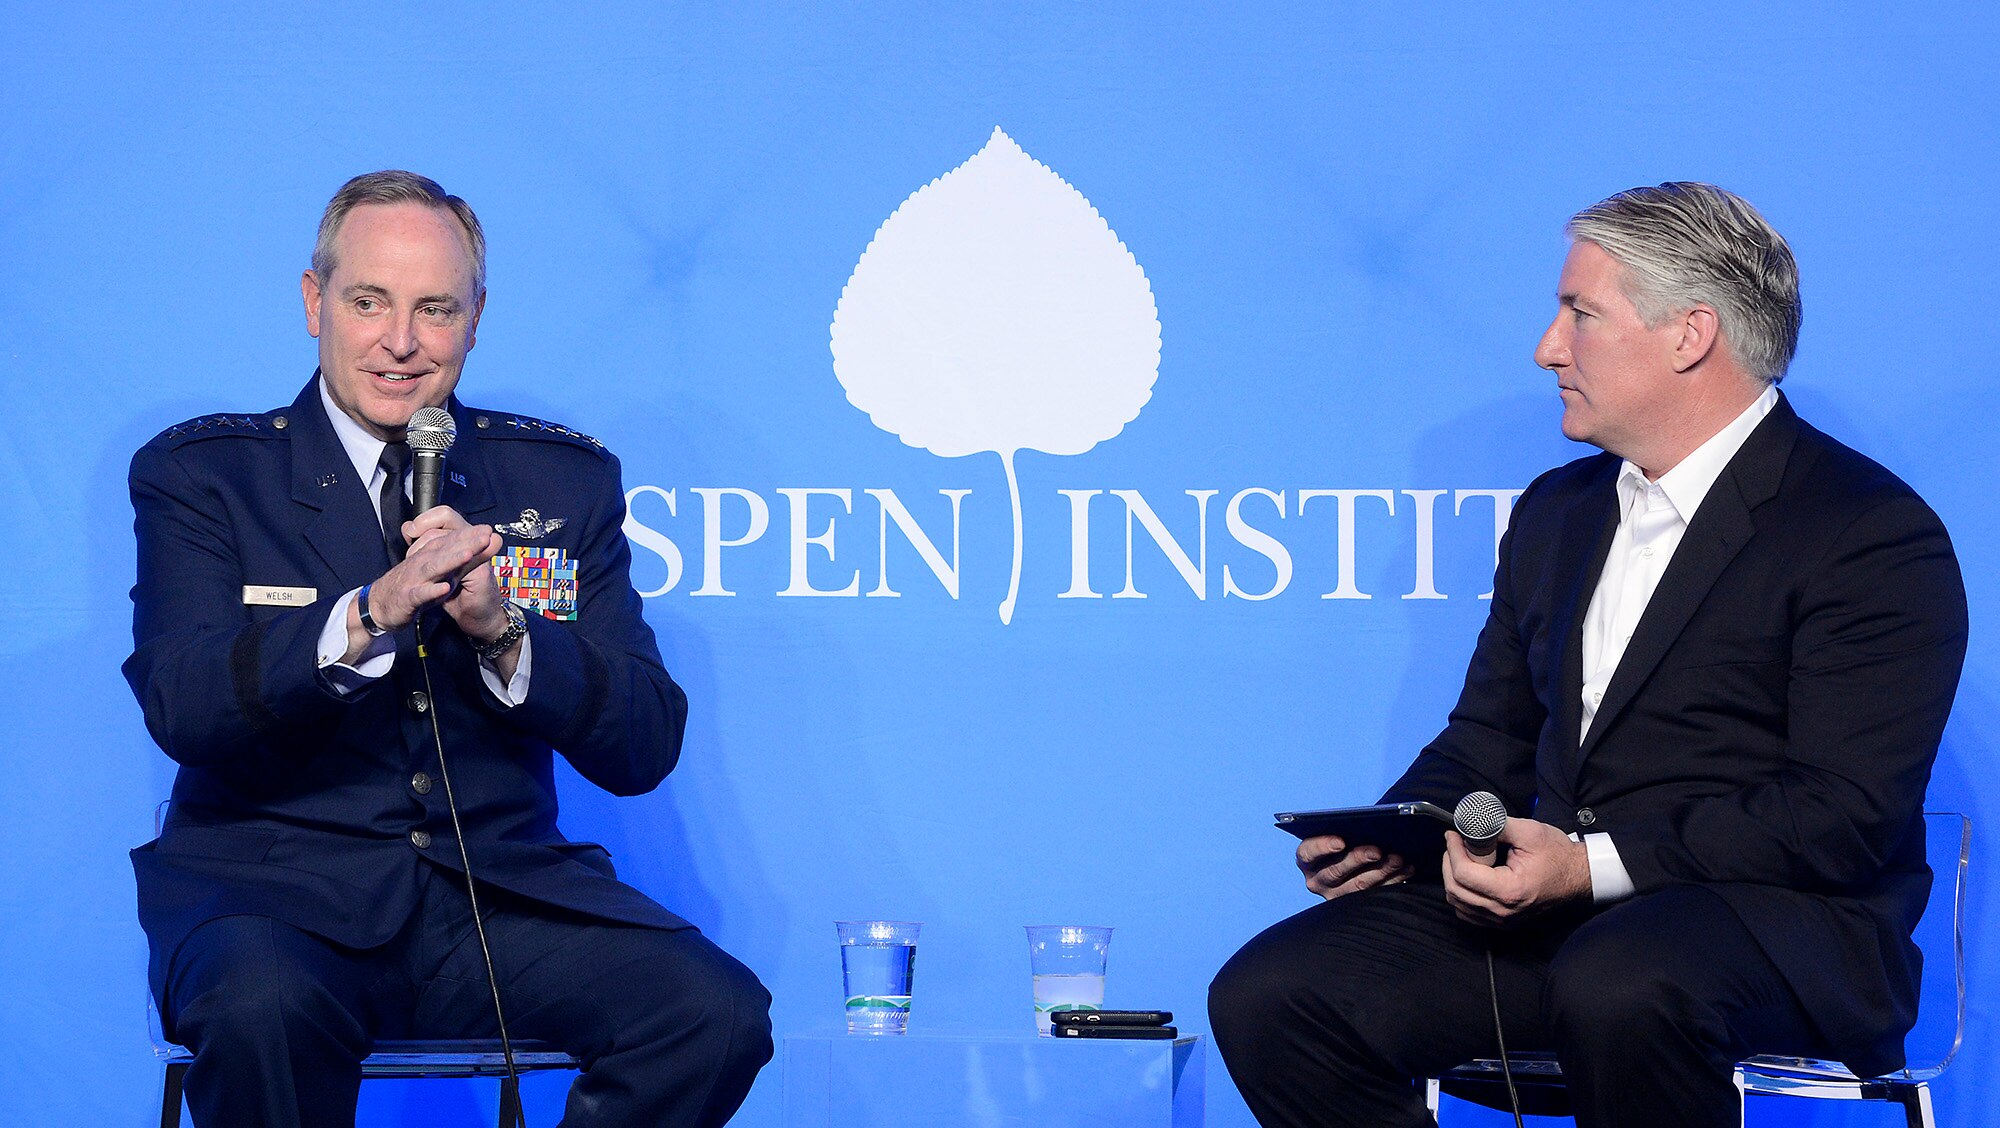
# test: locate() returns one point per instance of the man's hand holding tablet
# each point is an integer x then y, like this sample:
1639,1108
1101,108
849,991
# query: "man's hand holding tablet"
1333,870
1349,849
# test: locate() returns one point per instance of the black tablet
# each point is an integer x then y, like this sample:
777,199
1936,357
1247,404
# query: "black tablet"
1414,830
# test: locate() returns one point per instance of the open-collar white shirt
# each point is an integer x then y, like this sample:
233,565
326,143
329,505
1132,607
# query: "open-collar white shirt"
1654,516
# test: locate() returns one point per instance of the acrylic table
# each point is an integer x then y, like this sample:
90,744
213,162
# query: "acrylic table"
918,1080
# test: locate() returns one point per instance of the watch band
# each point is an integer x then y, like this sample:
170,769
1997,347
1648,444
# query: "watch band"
368,623
517,625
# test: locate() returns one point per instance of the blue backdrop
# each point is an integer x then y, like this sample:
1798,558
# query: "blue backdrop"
1346,221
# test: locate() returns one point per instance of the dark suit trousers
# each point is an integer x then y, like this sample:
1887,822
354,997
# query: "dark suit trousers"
1334,1016
670,1029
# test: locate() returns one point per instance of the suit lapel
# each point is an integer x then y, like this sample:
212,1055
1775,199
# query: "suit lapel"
1720,529
324,480
1580,554
467,487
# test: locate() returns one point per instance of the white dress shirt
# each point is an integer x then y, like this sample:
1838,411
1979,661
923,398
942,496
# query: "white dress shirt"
365,452
1654,516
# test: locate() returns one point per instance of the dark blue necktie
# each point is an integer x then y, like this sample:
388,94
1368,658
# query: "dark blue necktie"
394,504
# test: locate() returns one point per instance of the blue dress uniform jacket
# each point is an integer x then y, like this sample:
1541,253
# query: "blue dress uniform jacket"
296,803
1770,730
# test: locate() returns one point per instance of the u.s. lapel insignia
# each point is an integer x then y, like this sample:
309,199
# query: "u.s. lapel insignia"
532,525
540,581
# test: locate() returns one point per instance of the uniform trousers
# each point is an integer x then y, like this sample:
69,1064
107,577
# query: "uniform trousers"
1334,1016
669,1028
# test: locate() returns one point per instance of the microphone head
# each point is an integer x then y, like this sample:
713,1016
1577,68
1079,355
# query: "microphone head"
431,429
1480,816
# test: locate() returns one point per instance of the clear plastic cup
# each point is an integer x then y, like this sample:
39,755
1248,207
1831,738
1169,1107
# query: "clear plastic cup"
1068,965
877,960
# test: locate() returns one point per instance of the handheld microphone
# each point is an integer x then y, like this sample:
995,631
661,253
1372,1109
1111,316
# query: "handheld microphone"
1479,819
430,434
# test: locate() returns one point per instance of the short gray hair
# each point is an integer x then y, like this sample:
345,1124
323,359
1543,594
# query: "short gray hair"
1684,243
394,186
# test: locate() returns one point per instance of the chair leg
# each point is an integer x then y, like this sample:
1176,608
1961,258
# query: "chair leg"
170,1095
1916,1102
1742,1097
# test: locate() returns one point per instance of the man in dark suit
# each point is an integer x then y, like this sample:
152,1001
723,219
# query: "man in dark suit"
308,894
1717,666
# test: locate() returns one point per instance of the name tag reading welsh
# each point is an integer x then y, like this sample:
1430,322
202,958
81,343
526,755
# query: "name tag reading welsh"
255,595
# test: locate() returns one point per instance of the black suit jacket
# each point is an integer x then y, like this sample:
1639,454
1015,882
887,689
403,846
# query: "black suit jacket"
294,802
1770,729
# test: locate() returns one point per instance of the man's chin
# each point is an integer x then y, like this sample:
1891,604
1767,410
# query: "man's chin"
395,415
389,421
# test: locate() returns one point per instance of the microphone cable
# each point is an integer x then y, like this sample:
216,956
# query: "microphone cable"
430,434
1479,819
1500,1035
510,1094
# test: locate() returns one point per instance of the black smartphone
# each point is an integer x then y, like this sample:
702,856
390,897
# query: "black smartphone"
1114,1031
1111,1018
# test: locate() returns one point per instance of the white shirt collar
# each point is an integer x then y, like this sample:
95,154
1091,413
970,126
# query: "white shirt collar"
1688,483
363,449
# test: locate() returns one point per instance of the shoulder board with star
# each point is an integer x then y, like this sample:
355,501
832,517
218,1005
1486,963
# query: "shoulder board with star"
507,425
264,425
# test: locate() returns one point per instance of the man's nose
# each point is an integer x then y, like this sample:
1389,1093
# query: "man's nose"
400,337
1552,352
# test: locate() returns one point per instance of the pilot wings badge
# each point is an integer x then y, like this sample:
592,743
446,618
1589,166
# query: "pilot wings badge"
532,525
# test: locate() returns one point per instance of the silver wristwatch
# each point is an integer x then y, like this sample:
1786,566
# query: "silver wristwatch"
517,625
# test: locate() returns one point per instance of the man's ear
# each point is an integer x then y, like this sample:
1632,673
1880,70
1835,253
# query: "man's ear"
309,290
472,330
1701,329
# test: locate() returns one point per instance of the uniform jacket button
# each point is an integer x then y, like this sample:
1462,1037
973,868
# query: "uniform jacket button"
421,783
421,839
1586,817
419,702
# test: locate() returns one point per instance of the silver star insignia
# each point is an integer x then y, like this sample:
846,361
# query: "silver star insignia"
532,526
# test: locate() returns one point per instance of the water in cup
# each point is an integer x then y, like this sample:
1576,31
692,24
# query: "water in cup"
1067,961
877,962
1066,993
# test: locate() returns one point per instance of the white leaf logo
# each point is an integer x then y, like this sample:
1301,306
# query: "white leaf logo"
997,311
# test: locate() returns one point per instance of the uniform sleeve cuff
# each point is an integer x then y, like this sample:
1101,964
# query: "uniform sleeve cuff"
515,689
373,664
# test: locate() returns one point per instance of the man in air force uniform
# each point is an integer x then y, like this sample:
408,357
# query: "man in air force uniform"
306,895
